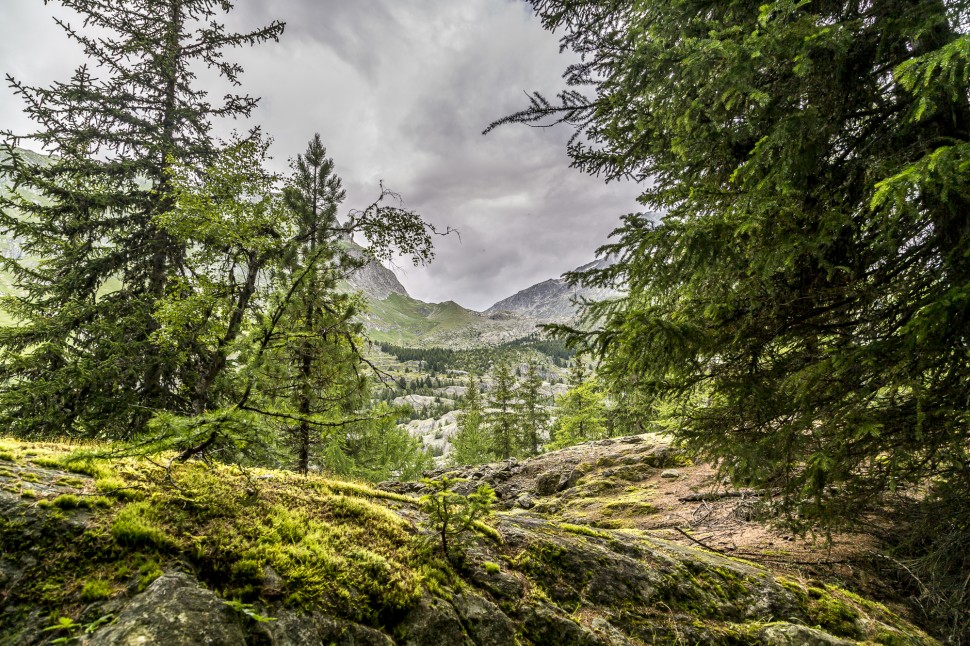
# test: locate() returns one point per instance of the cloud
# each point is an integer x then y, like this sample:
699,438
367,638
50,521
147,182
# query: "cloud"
400,91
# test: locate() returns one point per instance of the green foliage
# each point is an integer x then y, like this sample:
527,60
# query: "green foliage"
580,415
501,416
801,297
471,444
451,515
805,294
84,359
534,415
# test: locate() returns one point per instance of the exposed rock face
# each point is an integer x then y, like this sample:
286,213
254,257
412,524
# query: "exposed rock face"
376,281
550,300
173,610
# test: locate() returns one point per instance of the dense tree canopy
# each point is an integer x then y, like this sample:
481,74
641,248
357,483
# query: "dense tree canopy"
803,295
83,361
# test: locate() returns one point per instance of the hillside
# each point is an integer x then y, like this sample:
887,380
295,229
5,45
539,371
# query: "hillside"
137,553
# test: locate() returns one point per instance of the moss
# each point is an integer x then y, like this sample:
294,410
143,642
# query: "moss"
71,501
148,572
582,530
27,476
487,531
492,567
95,590
8,456
833,613
136,526
118,488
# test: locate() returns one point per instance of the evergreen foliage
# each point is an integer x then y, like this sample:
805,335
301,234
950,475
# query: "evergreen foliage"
802,296
471,444
533,412
83,360
451,515
805,296
502,415
580,415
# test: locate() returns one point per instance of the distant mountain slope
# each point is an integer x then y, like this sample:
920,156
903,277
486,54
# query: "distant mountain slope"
375,280
551,300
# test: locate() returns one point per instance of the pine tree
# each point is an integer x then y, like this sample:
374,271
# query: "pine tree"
471,444
502,413
534,417
82,361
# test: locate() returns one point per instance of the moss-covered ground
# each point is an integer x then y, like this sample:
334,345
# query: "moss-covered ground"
79,533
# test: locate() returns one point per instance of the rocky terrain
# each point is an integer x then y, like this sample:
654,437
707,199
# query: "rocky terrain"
551,301
593,545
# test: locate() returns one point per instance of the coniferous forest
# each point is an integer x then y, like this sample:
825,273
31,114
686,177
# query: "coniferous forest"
193,385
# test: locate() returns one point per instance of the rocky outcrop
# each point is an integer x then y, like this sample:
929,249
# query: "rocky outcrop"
136,554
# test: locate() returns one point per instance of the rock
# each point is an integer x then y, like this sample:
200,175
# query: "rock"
272,583
784,634
486,624
433,621
670,474
545,624
547,483
174,610
568,480
525,501
292,629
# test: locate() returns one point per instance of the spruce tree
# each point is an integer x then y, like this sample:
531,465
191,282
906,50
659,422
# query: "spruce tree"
802,289
801,293
471,444
502,413
534,417
82,361
314,361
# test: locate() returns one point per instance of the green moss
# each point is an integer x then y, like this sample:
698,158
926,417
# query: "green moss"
833,613
95,590
118,488
137,526
487,531
8,456
492,567
148,572
583,530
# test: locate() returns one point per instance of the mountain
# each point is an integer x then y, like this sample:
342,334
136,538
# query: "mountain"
553,300
394,316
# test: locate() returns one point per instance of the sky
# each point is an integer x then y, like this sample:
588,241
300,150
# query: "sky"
400,91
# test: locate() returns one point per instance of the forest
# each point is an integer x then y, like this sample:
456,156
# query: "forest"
792,304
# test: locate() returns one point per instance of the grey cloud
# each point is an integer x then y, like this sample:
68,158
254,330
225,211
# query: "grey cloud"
400,91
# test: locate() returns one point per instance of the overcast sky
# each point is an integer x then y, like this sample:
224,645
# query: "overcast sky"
400,91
